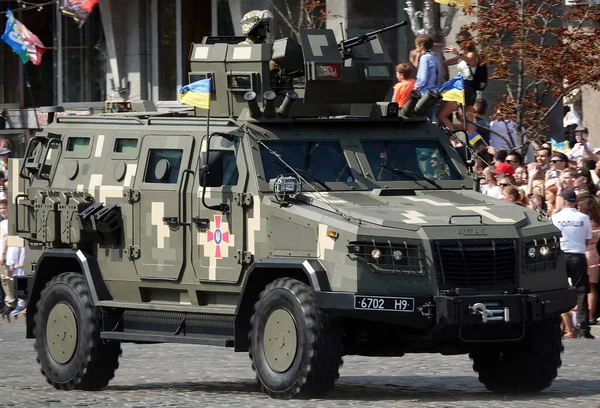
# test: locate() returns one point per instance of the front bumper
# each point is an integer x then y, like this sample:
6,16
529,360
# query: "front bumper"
439,312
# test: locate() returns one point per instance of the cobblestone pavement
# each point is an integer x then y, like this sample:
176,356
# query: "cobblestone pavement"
192,376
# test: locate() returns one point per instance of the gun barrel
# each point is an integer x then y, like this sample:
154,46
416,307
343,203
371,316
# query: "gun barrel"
363,38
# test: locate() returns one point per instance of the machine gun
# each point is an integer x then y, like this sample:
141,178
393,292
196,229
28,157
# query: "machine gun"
346,45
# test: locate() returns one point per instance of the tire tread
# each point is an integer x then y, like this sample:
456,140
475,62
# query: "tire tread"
101,359
321,368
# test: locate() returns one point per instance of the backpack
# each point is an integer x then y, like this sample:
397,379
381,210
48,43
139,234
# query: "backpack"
480,77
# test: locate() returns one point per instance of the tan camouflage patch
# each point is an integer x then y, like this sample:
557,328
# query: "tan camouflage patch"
110,192
95,181
129,174
254,225
325,242
162,230
99,146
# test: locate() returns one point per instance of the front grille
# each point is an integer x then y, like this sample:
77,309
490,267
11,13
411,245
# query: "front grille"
477,263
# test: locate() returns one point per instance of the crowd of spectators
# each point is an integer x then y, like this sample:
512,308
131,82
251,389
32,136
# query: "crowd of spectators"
542,183
11,257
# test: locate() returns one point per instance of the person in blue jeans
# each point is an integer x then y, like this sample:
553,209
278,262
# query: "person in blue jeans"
429,73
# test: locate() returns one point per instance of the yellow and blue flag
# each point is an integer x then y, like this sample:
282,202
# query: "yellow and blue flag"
474,138
197,93
454,90
562,147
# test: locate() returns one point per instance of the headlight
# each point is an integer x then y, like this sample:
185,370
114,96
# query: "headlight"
376,253
397,254
540,254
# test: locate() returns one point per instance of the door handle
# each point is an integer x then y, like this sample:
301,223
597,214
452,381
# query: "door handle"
172,222
201,223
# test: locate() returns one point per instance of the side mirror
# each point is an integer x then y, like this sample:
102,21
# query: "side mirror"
211,173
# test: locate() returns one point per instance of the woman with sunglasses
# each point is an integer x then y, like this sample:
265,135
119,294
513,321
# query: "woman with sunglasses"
558,163
466,61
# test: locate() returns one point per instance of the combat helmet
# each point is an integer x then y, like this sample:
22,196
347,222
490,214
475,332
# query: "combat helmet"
253,18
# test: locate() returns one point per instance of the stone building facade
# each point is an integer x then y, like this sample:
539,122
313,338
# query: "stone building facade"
139,49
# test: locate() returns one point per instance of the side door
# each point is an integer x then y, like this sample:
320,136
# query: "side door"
217,237
158,200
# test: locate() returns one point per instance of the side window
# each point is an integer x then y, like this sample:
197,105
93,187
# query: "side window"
230,169
78,144
163,166
126,145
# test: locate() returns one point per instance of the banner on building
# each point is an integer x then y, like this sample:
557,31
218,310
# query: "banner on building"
22,41
79,10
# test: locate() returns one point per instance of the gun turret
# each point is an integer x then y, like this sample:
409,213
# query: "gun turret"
345,45
312,79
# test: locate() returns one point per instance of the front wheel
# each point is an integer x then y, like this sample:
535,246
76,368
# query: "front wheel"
526,366
67,337
295,348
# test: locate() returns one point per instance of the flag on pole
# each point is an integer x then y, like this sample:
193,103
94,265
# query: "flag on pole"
197,93
79,10
474,138
454,90
22,41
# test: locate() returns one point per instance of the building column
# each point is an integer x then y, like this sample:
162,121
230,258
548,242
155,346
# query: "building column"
126,48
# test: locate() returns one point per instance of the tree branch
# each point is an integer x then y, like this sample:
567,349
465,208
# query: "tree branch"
284,18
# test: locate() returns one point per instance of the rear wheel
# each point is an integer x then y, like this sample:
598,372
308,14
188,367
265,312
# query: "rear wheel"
67,337
526,366
295,348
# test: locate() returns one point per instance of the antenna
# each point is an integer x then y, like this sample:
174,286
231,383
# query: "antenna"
342,30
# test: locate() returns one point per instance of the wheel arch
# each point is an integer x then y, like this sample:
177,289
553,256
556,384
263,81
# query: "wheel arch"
260,274
53,262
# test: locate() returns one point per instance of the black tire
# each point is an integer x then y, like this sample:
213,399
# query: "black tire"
93,362
318,356
527,366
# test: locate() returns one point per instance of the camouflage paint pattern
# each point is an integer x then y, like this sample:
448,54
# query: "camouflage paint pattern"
176,254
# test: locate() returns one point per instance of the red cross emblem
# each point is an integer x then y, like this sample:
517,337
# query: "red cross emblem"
218,236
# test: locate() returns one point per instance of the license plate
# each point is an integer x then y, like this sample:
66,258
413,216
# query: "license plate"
394,304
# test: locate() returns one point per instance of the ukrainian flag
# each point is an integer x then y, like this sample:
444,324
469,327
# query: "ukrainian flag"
454,90
474,138
197,93
560,147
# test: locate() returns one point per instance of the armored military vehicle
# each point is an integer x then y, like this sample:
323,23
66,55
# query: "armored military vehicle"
301,219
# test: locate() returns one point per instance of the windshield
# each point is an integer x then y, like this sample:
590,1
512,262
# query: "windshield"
423,157
325,161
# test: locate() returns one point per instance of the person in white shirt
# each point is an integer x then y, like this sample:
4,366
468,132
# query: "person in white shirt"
576,232
15,260
582,147
7,282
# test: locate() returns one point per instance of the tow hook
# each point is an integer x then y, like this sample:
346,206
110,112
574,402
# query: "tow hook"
496,314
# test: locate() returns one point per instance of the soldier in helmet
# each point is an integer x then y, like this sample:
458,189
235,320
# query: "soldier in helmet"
255,26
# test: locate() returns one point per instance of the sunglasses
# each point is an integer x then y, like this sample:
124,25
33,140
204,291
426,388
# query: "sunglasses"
503,184
556,161
459,42
510,161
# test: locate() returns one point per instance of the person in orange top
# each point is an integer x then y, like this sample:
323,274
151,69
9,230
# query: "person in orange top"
405,84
